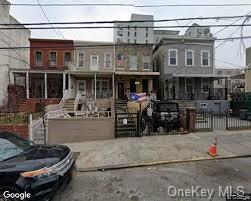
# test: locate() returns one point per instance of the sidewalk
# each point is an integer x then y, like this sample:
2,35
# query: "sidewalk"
130,152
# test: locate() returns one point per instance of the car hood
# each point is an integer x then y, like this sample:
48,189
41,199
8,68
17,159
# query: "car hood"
37,157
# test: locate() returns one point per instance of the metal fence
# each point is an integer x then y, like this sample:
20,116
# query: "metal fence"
127,124
14,118
208,120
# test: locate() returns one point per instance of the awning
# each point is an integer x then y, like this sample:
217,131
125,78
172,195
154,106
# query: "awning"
198,75
240,76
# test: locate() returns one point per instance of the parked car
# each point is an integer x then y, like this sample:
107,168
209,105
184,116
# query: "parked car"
28,169
161,114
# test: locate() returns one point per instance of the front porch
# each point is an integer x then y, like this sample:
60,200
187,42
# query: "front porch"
193,88
131,82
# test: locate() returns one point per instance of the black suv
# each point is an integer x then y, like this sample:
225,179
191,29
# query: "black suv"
161,114
32,172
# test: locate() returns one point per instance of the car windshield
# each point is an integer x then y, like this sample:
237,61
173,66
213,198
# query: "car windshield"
11,146
167,107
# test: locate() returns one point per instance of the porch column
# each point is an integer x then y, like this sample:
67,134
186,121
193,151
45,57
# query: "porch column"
95,85
69,85
45,86
64,84
113,86
27,86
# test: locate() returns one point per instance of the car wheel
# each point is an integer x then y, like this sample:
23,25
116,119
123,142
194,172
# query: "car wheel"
11,190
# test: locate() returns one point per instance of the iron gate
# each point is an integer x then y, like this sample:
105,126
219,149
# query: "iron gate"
208,120
127,124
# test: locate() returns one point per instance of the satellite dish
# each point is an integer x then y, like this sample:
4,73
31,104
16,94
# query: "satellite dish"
206,31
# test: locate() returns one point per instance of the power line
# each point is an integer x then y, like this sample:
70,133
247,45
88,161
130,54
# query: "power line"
129,5
114,45
130,21
58,32
140,27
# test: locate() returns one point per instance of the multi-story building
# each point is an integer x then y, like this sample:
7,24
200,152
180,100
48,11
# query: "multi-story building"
134,70
232,82
132,33
186,65
46,78
15,58
195,31
92,70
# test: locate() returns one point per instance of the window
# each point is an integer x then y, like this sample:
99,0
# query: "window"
128,40
133,62
189,57
135,33
11,146
67,58
53,59
205,85
146,41
38,58
172,55
94,62
205,58
146,32
108,60
146,62
189,85
120,33
81,59
19,79
128,33
219,72
220,82
135,41
120,60
102,88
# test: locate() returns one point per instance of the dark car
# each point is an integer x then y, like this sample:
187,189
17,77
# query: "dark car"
32,172
161,114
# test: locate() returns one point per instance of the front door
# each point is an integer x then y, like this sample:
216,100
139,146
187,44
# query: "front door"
81,86
133,86
121,90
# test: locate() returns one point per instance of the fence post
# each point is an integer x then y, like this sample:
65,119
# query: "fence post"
227,113
138,123
212,119
115,122
30,127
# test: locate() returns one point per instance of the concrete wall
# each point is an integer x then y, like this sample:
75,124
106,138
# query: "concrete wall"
79,130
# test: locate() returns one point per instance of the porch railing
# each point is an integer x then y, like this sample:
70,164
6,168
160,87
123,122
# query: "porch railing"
198,94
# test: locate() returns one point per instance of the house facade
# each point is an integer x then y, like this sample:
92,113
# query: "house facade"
134,70
186,66
233,82
92,70
9,59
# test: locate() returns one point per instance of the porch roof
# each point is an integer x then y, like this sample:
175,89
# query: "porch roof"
137,73
200,75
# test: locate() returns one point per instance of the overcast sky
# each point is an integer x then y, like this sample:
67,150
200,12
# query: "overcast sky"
231,52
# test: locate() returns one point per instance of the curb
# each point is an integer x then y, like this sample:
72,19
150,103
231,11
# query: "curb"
154,163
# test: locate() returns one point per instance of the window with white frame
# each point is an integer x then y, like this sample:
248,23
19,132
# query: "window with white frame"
146,62
133,62
108,60
189,57
189,85
94,62
81,60
172,57
53,59
205,58
102,88
38,58
205,85
67,58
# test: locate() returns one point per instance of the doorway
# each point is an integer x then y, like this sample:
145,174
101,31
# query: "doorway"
121,90
145,86
133,86
81,86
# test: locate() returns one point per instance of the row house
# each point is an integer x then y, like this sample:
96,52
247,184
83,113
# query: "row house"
46,78
186,66
134,70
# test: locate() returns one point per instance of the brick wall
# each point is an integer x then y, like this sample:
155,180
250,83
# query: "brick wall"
21,129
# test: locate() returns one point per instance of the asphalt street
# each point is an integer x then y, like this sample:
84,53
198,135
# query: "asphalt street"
162,183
